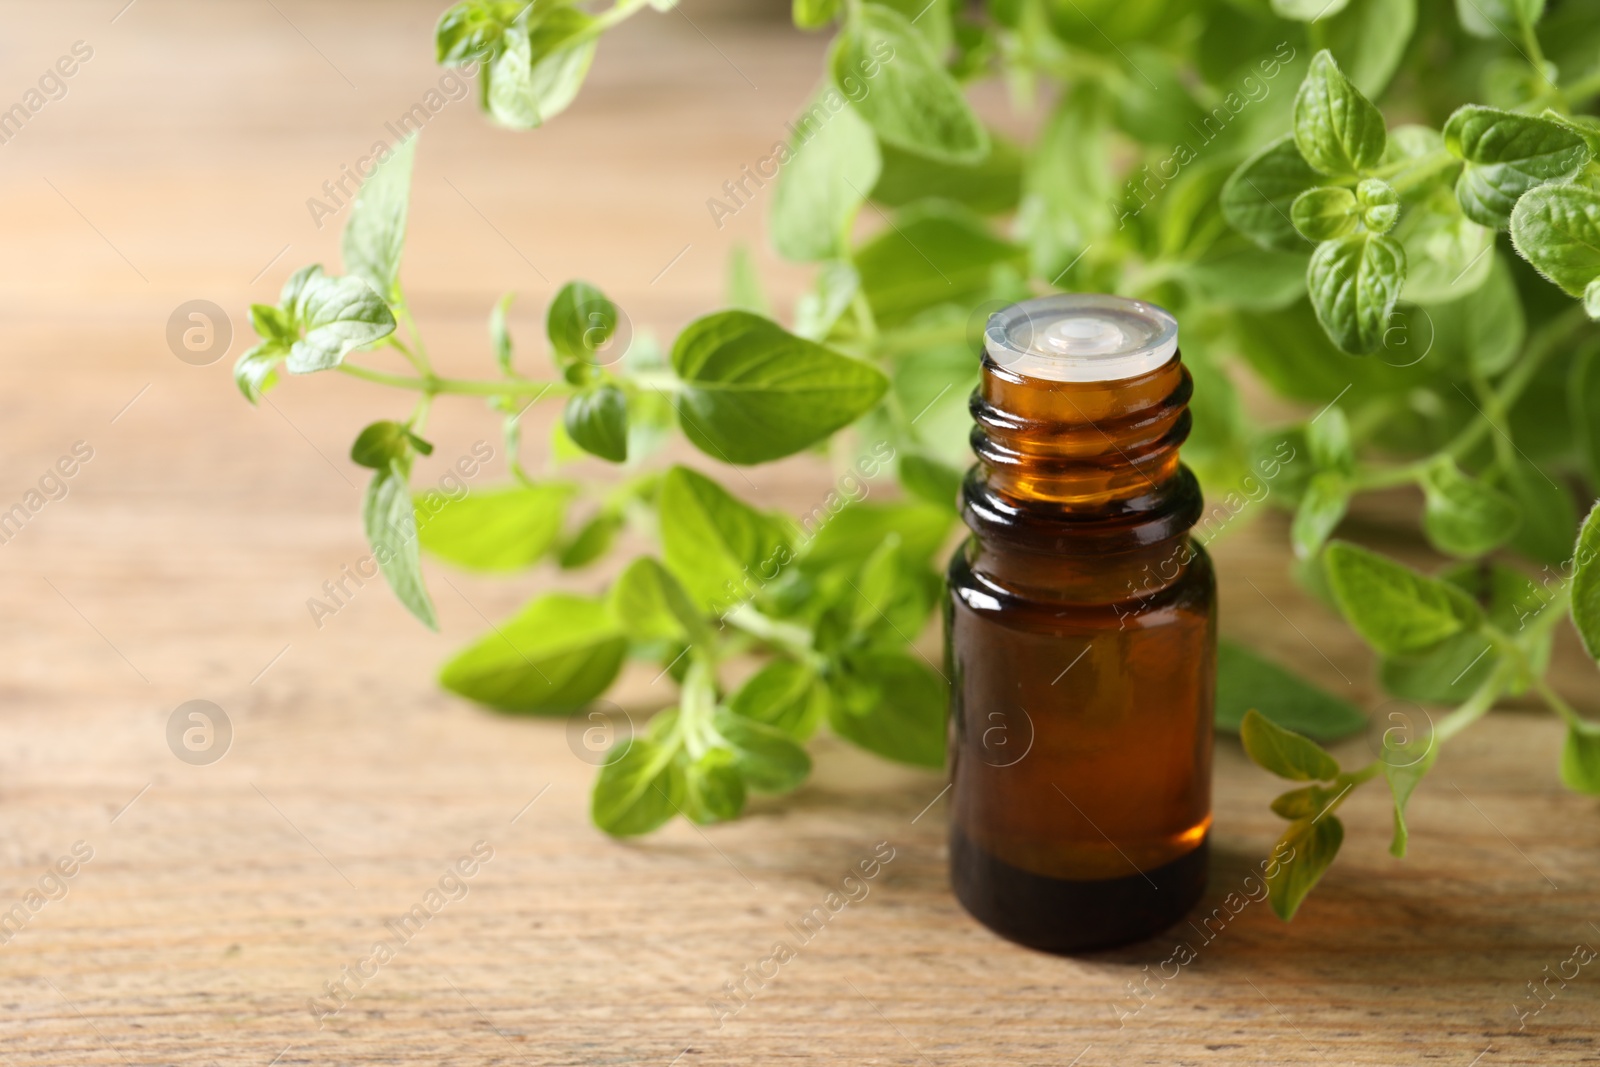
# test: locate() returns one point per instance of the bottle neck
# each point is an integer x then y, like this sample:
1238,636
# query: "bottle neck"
1073,469
1083,446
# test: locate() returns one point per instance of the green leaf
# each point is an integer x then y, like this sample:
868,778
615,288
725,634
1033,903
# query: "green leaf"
1591,299
500,335
718,546
651,606
1447,673
891,599
886,69
1404,769
560,652
1154,104
340,315
767,757
713,788
1451,671
1447,254
1258,198
1307,10
815,14
1284,752
391,529
1328,439
852,535
1338,130
1586,583
539,68
744,283
1302,854
932,255
1355,283
753,392
1464,516
1380,204
469,30
1395,609
257,370
1557,229
1241,275
639,790
375,236
784,694
832,164
1066,184
580,324
933,481
1248,682
1498,20
992,187
1325,213
1369,39
1307,802
597,420
1507,155
1322,507
1583,396
273,324
1580,760
1492,321
496,530
1548,515
891,704
816,312
380,444
593,540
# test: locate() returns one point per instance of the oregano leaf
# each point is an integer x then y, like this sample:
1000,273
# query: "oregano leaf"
753,392
1354,283
1338,130
1586,583
890,75
1302,855
375,235
1394,608
1557,229
1284,752
1507,154
1257,199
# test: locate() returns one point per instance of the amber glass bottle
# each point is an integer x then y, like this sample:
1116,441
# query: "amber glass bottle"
1081,633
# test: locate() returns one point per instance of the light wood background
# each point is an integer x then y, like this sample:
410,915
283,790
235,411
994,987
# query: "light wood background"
220,898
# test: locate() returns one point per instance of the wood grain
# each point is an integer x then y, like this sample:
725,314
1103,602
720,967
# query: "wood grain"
221,899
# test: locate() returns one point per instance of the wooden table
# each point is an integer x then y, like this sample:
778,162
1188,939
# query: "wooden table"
220,899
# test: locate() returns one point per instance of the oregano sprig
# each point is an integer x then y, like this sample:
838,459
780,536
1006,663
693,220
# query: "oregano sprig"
1257,190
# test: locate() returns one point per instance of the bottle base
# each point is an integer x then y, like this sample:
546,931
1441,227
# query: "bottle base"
1063,916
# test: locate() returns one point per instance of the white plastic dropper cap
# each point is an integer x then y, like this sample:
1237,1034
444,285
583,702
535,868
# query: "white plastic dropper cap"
1081,337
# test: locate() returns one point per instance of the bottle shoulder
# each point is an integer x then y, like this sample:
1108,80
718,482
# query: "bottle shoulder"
1178,576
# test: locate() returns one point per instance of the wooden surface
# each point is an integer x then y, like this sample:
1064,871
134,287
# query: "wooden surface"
221,898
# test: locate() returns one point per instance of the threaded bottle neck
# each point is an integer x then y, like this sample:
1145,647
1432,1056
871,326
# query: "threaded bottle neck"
1085,447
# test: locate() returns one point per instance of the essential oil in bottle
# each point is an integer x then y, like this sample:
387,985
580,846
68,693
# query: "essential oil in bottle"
1080,633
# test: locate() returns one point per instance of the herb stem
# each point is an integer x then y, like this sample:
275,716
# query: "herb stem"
1473,708
1419,172
790,637
1559,705
1386,477
1581,90
1538,349
420,359
433,385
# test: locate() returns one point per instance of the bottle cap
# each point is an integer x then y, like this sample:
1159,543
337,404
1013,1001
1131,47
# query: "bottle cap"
1081,337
